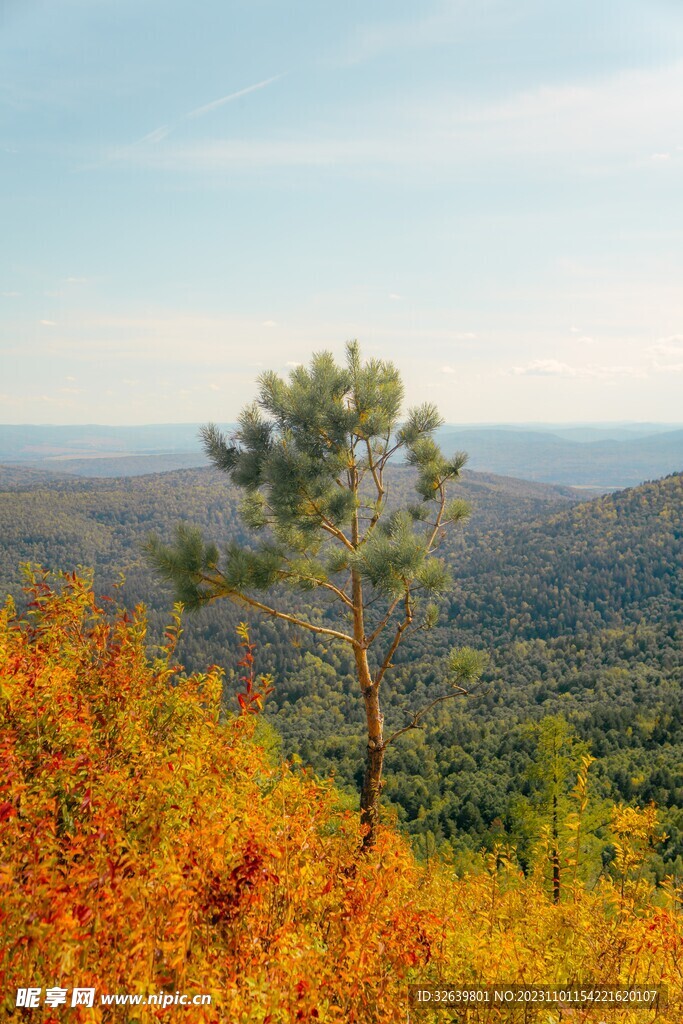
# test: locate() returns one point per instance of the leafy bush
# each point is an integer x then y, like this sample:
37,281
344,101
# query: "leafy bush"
148,841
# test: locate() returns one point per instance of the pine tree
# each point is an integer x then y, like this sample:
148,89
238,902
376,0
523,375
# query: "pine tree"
311,457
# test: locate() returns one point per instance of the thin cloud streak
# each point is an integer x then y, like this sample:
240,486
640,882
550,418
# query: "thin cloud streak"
157,135
200,111
153,137
601,126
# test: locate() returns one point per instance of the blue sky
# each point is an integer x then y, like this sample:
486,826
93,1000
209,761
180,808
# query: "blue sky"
488,193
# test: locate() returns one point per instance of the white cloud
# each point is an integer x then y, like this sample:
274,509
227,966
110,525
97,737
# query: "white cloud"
625,119
619,112
48,323
555,368
669,346
448,369
618,120
269,323
667,354
544,368
444,24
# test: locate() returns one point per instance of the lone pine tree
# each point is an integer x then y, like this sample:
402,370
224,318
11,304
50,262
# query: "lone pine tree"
311,457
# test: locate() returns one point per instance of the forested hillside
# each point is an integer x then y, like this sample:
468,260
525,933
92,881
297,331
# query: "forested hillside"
62,521
608,562
577,603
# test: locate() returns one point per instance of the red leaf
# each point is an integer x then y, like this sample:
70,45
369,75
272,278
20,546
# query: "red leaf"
7,810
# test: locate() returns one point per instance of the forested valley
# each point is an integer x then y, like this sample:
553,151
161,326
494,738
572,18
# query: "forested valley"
576,602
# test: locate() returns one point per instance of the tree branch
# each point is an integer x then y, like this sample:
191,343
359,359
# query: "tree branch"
373,469
335,590
238,598
285,575
389,452
329,527
437,524
415,720
378,629
400,629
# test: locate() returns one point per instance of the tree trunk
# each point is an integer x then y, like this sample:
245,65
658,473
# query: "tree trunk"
372,780
555,853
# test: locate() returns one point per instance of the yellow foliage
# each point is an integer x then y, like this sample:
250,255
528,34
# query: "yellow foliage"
148,843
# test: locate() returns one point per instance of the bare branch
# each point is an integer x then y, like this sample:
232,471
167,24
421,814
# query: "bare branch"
334,590
251,602
329,526
285,575
339,534
389,452
400,630
419,715
437,524
377,470
373,470
378,629
416,629
325,584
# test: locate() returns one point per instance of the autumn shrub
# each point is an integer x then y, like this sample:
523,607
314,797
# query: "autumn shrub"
148,842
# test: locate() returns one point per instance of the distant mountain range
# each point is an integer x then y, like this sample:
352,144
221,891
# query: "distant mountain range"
571,457
596,457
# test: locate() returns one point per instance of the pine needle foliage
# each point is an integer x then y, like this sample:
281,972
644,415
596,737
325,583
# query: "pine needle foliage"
311,456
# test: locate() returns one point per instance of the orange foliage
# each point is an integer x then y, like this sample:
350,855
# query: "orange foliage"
147,843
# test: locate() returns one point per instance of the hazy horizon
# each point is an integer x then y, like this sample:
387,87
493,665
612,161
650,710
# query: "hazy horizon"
660,425
597,457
